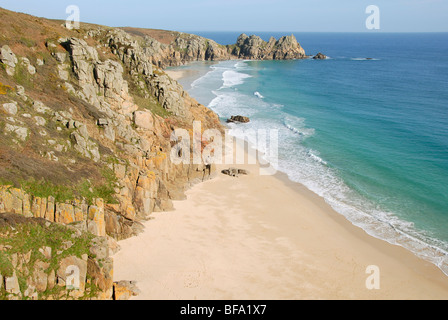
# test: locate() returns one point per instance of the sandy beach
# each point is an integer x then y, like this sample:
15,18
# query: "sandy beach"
265,237
176,74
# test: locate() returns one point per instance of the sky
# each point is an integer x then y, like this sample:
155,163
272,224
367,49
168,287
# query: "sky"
249,15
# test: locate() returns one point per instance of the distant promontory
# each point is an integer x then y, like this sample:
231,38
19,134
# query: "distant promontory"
171,48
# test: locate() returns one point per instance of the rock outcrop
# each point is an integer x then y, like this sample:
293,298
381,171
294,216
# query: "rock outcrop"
54,263
88,131
238,119
320,56
253,47
86,118
9,59
234,172
182,47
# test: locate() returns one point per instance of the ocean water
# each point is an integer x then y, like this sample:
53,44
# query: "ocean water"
368,135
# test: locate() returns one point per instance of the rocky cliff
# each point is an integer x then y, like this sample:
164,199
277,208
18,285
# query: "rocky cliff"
85,123
253,47
168,48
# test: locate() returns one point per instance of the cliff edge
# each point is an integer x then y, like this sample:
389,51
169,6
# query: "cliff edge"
86,118
170,48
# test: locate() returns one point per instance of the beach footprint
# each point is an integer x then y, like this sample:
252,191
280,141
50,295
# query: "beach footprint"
193,279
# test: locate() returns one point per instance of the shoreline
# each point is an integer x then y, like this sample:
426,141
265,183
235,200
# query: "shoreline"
179,74
388,233
269,238
186,76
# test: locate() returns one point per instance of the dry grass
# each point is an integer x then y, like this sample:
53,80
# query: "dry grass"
163,36
27,36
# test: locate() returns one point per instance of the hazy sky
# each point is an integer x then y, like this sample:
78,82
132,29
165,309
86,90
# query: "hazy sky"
248,15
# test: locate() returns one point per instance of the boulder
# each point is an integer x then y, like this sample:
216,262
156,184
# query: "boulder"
27,64
20,132
39,279
10,108
234,172
85,146
39,107
320,56
9,59
144,120
99,248
40,121
31,293
238,119
72,273
102,276
124,290
60,56
102,122
12,284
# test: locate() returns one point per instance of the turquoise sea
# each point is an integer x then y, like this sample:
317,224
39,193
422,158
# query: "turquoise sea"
368,135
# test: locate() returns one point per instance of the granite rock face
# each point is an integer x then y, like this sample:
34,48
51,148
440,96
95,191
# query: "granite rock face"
254,48
183,49
37,271
98,99
186,48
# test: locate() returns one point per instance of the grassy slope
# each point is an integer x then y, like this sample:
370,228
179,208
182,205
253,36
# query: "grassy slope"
26,164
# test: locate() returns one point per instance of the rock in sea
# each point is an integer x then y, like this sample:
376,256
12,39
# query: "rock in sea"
320,56
240,119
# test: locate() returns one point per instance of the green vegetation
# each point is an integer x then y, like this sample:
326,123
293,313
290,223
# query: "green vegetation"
44,55
85,189
22,76
28,42
6,182
152,105
26,239
49,41
105,190
139,95
45,189
112,160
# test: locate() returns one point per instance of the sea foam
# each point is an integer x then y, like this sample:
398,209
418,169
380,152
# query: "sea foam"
309,168
258,94
233,78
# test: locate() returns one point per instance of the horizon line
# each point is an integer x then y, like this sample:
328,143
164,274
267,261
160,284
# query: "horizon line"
366,32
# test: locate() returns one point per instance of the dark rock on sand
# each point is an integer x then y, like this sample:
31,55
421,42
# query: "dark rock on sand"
234,172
